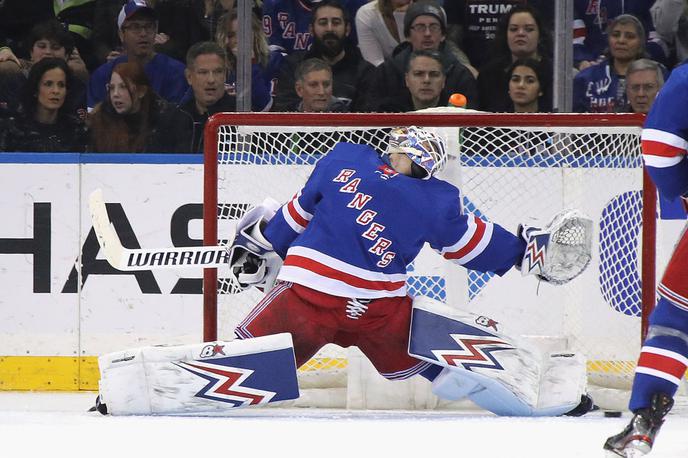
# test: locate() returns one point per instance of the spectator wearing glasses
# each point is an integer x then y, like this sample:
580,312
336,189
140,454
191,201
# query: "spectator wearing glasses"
137,24
601,88
644,78
425,26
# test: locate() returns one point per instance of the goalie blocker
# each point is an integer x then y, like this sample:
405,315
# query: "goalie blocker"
252,260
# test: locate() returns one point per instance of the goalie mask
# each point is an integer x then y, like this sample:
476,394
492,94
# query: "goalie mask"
425,149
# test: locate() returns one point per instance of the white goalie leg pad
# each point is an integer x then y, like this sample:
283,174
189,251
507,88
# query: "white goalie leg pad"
499,373
209,378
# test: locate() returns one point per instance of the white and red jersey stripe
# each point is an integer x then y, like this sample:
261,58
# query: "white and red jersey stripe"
675,298
662,363
296,217
662,149
311,268
472,243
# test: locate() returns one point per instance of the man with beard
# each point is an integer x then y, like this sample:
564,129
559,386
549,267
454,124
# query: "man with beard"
330,27
287,23
138,24
425,28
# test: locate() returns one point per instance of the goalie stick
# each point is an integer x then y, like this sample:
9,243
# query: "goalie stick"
145,259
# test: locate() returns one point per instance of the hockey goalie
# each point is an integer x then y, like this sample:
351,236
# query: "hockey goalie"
332,263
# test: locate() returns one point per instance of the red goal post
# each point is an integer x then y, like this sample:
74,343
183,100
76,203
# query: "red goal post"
507,166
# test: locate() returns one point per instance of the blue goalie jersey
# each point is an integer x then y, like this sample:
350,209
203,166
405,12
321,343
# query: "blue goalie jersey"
357,223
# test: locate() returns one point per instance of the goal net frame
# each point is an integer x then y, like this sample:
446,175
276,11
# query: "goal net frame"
594,122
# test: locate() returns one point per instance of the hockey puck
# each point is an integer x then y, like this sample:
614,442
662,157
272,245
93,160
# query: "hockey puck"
612,414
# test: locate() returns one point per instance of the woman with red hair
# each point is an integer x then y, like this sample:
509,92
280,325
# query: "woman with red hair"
133,119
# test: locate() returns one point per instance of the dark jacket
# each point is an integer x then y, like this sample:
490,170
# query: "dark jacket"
336,106
168,135
493,86
183,22
23,133
194,122
351,77
165,130
404,103
389,77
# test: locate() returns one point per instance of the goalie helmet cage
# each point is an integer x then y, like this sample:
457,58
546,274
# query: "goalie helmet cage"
509,167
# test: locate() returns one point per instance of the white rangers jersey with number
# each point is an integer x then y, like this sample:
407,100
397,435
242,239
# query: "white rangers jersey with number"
356,224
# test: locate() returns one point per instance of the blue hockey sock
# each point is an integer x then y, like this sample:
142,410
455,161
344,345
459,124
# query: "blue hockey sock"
664,356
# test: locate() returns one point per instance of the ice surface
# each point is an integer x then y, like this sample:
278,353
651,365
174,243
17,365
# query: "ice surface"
55,425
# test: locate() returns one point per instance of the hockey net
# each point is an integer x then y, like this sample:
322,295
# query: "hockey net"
510,169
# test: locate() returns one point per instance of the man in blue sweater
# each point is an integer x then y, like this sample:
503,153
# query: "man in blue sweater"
137,24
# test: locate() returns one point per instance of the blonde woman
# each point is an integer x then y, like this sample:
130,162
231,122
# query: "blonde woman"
265,63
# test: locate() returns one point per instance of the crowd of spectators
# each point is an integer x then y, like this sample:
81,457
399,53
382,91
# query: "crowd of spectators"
145,75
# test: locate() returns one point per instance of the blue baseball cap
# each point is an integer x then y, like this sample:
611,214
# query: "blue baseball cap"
133,7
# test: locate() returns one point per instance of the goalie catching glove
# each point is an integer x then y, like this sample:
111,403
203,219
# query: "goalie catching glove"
559,252
252,260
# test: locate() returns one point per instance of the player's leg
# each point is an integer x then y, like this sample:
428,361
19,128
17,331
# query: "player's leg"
660,368
664,355
283,310
385,338
663,359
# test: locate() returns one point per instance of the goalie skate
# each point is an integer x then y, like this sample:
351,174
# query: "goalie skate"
638,436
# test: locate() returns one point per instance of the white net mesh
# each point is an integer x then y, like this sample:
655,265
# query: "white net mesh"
508,175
